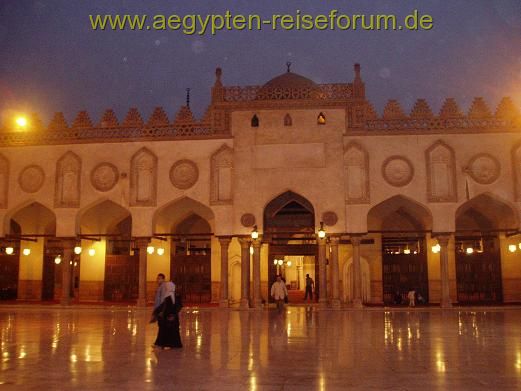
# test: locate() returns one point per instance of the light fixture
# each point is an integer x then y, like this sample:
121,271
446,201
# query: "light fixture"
26,251
469,250
321,232
21,121
160,251
407,251
58,259
77,250
512,248
251,250
275,261
92,252
519,245
9,250
436,248
254,233
150,250
288,263
280,261
75,263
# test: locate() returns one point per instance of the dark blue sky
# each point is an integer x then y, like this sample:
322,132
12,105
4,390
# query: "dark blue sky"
50,59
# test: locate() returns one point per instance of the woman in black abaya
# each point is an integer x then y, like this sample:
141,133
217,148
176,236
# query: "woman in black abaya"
167,315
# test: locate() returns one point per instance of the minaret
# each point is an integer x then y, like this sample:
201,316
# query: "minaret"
358,84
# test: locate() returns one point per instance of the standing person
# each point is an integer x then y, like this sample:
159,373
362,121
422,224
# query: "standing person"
279,293
167,315
411,296
310,284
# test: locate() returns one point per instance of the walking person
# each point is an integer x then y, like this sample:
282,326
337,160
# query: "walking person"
167,315
310,284
412,296
279,293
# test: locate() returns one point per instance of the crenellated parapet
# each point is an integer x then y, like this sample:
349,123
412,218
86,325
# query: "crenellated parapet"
479,117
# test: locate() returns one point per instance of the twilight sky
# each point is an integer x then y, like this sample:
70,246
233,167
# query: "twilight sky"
51,60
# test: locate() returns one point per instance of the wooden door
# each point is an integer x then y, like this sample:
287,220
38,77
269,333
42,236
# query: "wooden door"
192,277
121,277
9,267
48,277
403,272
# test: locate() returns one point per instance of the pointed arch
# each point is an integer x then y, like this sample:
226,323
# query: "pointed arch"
441,173
221,180
289,211
356,168
348,280
169,216
288,121
101,216
33,218
143,178
68,181
485,212
399,213
254,121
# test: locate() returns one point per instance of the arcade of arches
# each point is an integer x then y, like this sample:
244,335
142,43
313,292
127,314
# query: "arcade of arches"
398,253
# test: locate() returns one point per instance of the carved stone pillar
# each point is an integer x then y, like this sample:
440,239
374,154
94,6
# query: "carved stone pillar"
333,263
443,241
257,298
322,280
357,272
142,244
245,272
67,265
225,243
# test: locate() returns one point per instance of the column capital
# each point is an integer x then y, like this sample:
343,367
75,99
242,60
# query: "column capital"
256,243
244,241
356,240
443,238
321,241
141,242
334,240
67,243
224,240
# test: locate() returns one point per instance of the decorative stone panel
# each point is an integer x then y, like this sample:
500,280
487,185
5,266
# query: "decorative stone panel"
104,176
483,168
441,173
68,181
143,178
184,174
221,189
31,178
4,181
356,168
516,165
329,218
397,171
248,220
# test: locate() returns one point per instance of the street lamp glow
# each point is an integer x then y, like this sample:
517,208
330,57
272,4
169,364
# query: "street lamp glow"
21,121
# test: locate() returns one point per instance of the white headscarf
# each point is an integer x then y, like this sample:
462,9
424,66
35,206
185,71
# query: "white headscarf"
167,289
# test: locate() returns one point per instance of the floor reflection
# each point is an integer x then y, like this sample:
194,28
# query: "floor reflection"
303,348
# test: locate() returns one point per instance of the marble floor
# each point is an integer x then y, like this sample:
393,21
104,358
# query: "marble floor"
80,348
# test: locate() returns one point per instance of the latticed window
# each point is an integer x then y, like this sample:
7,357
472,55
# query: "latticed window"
255,121
321,119
287,120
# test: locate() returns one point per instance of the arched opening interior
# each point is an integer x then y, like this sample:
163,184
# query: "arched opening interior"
188,225
106,230
478,256
402,224
289,227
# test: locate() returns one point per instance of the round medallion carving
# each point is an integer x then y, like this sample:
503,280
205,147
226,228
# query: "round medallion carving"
184,174
104,176
397,171
248,220
31,178
329,218
484,168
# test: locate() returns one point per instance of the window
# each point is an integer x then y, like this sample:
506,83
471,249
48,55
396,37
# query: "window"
287,120
255,121
321,119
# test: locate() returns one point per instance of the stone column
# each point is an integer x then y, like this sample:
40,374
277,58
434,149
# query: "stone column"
225,243
322,280
333,263
245,272
257,298
142,244
443,241
357,272
67,265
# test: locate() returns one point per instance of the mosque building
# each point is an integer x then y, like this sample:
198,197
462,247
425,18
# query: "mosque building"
290,177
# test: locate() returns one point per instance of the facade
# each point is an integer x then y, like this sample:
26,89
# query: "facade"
407,201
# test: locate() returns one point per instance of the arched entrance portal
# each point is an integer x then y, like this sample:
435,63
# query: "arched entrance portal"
402,224
289,227
188,225
478,257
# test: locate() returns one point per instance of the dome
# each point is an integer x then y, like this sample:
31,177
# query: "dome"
289,85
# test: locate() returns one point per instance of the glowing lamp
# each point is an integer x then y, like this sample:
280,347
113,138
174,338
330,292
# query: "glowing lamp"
58,260
321,231
77,250
150,250
275,261
26,251
255,233
9,250
512,248
92,252
280,262
469,250
160,251
407,251
436,248
21,122
288,263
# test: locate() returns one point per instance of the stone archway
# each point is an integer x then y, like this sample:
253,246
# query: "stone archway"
348,284
402,224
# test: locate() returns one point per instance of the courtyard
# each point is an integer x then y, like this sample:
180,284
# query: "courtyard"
98,348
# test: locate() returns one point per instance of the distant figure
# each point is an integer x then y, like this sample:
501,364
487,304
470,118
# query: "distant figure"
397,298
310,284
421,299
411,296
166,313
279,293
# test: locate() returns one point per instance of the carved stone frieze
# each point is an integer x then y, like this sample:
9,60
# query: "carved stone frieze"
441,173
104,176
143,178
31,178
397,171
68,181
248,220
329,218
483,168
184,174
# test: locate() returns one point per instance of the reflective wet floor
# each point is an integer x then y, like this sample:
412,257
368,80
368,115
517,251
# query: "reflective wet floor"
46,348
